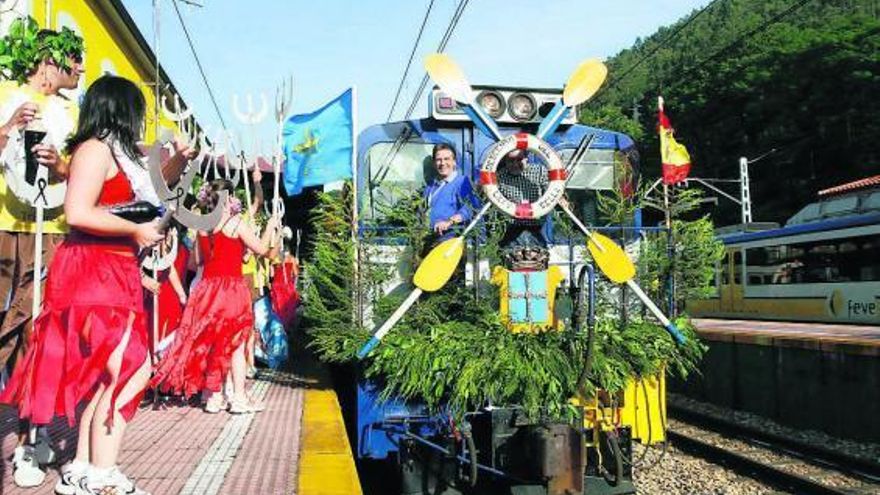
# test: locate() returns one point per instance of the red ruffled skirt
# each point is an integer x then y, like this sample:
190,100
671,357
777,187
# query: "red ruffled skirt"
91,294
216,320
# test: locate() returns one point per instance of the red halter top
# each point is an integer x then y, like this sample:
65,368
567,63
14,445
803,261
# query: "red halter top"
116,190
223,255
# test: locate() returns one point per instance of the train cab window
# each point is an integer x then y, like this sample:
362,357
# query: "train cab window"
852,259
594,171
395,173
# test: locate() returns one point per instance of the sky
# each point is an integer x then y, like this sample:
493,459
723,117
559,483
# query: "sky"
250,46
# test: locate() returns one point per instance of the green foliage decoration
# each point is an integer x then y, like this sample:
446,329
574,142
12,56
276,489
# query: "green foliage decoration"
692,261
24,47
451,349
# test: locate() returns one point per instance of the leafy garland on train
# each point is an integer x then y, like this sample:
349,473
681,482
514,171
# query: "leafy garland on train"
473,359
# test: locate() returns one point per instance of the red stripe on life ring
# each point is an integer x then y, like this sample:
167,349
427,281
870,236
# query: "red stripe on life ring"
556,174
488,178
522,141
524,210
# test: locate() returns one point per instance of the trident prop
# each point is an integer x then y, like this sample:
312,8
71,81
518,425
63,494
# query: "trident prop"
42,196
283,100
251,118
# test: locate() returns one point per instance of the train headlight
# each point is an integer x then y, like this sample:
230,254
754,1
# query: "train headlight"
522,106
492,102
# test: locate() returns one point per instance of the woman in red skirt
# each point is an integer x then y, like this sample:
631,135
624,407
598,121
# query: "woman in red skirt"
218,316
90,341
172,295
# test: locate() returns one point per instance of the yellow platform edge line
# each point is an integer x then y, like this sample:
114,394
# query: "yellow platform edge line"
326,464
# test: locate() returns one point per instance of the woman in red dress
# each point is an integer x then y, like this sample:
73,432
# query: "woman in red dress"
218,317
90,340
171,293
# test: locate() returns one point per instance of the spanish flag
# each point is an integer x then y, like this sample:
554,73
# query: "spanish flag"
674,156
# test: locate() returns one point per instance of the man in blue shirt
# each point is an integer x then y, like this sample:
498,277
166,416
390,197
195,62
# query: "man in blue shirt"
450,196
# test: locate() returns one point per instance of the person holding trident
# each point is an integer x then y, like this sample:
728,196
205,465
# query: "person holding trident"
90,341
218,318
32,108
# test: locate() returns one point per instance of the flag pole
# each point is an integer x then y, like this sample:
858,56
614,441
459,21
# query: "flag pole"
666,211
354,207
670,249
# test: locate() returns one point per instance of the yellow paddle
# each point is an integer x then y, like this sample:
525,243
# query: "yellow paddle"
616,265
450,78
436,269
583,83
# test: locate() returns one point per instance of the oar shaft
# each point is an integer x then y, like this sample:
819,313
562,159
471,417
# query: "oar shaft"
389,323
670,327
577,221
476,219
553,119
482,119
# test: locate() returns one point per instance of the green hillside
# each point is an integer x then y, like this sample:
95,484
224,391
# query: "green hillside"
744,77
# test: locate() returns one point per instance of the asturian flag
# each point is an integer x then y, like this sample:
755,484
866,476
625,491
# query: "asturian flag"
318,145
673,155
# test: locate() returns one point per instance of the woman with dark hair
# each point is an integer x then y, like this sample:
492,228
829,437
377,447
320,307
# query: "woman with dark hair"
90,340
218,317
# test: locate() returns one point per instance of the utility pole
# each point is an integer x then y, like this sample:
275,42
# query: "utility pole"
745,192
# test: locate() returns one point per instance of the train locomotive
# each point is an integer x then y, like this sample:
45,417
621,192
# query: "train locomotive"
500,448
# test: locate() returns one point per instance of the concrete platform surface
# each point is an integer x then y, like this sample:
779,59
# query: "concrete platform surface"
179,449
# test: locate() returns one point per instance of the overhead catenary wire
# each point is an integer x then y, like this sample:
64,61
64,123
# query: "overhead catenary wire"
409,62
764,26
199,65
462,4
699,65
668,39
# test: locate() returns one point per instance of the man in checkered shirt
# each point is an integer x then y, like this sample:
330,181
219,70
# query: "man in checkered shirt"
520,180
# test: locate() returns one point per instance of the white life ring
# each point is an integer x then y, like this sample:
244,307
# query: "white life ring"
555,176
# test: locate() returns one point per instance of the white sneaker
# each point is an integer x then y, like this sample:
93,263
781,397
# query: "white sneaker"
26,470
120,480
245,406
71,474
216,404
93,484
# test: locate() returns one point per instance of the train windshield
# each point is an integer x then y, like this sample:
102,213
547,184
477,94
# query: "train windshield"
396,171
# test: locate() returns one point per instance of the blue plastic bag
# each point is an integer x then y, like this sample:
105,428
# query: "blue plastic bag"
271,332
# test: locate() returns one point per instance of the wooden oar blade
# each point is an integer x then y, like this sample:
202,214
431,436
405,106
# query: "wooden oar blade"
611,259
439,265
449,76
584,82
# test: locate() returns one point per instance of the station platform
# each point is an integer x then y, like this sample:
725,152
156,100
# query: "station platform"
852,339
814,376
296,446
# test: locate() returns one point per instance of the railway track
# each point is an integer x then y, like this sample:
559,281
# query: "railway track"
774,460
